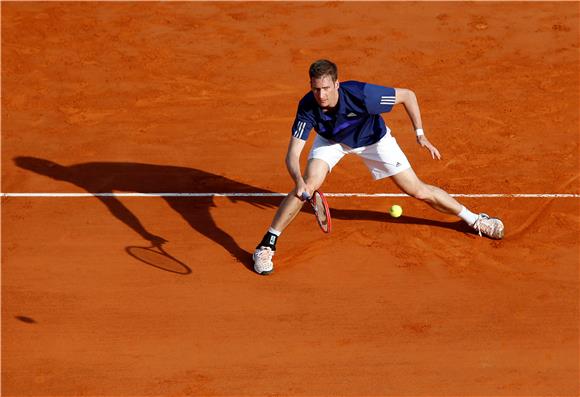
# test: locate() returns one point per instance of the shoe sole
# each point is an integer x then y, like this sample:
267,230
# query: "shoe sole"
500,236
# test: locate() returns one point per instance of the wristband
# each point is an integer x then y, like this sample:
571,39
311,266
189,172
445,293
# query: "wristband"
419,131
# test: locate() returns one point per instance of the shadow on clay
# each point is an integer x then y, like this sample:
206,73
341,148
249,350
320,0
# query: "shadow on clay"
108,177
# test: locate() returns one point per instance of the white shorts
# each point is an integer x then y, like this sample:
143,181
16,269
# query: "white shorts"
384,158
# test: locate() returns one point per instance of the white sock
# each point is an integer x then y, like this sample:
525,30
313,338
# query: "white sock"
276,232
468,216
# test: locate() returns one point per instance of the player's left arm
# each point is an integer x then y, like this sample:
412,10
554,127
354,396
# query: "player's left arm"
409,101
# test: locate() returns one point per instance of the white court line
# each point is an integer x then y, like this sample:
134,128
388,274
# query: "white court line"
484,195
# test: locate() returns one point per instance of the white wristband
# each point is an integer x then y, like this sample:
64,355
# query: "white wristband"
419,131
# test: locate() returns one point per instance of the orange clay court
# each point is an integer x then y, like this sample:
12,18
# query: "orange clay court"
199,97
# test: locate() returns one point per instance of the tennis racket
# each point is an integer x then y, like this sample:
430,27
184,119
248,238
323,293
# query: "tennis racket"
154,255
321,211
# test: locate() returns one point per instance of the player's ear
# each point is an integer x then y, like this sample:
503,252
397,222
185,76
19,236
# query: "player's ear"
336,84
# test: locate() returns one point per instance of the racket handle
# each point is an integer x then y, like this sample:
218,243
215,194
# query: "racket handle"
305,196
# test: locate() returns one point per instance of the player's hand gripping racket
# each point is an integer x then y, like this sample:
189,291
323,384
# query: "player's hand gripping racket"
321,211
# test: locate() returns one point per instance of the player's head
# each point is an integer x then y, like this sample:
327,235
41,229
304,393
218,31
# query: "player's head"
42,167
324,83
323,67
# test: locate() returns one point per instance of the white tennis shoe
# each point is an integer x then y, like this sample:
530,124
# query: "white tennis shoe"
491,227
263,260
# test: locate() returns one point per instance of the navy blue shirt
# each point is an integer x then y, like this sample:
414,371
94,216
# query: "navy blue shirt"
357,120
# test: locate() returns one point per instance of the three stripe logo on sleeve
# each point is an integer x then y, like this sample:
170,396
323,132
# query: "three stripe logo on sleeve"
387,100
299,129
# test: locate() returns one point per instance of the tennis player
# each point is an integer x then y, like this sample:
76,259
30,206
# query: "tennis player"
347,119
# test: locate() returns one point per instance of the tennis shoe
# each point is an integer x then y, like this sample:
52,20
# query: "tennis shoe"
263,260
491,227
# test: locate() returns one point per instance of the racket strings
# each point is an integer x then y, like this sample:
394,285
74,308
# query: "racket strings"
320,210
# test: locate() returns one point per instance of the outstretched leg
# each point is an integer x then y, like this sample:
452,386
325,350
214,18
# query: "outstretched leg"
437,198
440,200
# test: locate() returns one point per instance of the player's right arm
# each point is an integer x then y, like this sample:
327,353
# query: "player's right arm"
303,124
293,164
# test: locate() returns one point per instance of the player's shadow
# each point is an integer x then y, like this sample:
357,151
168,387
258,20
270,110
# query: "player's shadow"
379,216
109,177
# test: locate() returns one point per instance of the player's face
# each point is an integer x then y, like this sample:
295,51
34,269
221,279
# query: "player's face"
325,91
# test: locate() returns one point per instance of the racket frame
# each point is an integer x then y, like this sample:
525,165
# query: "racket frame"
312,201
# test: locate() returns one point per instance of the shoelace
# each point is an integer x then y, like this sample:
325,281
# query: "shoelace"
478,225
265,254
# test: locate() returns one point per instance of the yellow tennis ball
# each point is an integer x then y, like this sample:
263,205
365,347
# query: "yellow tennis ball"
396,211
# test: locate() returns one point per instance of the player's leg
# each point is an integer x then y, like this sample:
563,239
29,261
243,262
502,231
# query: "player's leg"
437,198
322,158
316,172
440,200
386,159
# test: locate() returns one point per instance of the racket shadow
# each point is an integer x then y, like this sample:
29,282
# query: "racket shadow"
157,257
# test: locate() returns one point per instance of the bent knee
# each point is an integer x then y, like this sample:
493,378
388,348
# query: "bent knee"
314,181
313,184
